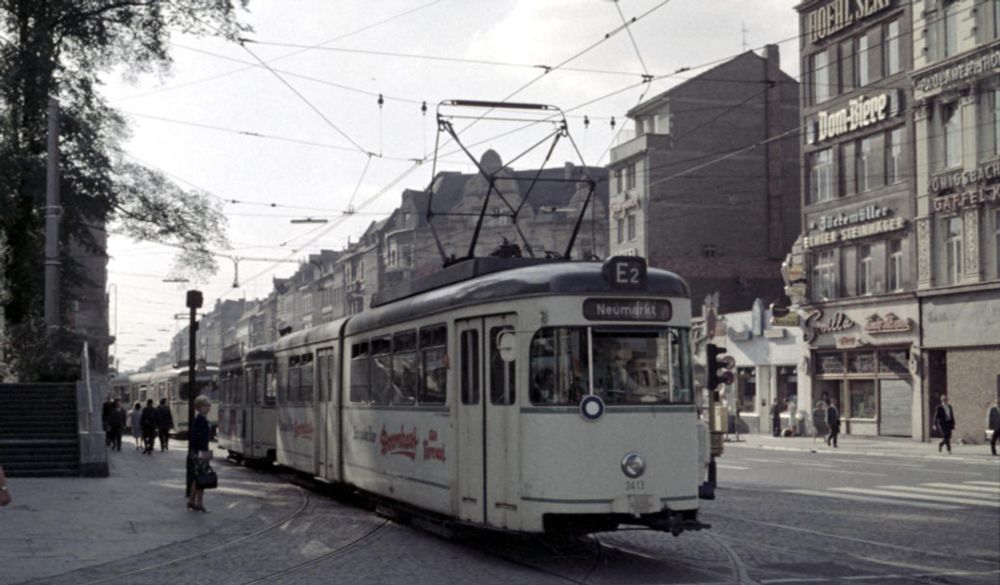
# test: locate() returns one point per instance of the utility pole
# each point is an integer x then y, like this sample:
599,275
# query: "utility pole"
194,301
53,210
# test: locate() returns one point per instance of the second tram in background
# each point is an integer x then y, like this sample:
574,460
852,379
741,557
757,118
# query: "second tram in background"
172,384
247,403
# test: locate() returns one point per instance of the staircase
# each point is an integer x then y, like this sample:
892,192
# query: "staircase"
38,430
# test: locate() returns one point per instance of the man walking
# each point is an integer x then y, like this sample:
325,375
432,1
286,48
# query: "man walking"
776,418
164,423
993,423
833,421
148,422
116,424
944,419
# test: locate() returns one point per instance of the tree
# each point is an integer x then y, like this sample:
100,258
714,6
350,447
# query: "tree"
60,48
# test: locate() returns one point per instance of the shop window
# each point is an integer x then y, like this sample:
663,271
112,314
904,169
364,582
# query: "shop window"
865,270
830,363
861,363
951,135
895,268
953,249
830,390
894,361
788,383
821,176
894,156
746,380
862,398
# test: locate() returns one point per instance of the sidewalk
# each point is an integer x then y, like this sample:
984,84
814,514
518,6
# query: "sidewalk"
56,525
863,445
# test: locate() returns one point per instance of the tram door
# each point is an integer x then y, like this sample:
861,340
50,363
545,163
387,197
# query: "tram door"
487,424
327,415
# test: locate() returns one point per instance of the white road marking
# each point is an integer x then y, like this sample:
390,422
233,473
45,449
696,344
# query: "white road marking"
881,492
720,466
873,500
995,484
943,492
880,463
873,474
994,490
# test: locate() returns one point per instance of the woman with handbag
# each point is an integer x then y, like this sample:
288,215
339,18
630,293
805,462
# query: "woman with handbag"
199,454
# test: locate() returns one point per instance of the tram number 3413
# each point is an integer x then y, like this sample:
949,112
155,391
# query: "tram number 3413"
635,485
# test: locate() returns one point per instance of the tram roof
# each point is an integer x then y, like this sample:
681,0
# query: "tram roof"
564,277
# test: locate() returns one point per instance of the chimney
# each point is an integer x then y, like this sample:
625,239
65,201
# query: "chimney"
568,170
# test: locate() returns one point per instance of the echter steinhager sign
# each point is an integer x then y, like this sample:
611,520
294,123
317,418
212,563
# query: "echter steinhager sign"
958,72
861,112
854,232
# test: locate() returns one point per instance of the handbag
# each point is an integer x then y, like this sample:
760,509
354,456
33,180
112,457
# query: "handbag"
206,479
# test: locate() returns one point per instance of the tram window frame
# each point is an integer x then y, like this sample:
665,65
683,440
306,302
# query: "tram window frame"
469,352
270,385
307,379
433,373
503,386
284,365
360,389
404,373
381,362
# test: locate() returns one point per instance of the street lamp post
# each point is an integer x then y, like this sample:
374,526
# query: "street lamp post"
194,301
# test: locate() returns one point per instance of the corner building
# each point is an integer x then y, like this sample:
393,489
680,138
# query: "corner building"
956,112
851,272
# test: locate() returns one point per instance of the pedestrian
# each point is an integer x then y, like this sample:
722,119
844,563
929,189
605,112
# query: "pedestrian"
136,421
820,428
775,411
105,413
199,453
164,423
944,420
833,421
116,424
993,424
4,491
148,422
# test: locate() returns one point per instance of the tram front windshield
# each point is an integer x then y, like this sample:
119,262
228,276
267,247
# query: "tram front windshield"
630,366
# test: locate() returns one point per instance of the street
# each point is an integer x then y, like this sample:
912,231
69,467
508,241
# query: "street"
781,516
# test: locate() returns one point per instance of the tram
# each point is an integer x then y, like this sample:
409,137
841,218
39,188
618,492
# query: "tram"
172,384
512,394
247,403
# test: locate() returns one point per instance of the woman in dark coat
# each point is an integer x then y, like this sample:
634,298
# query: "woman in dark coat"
148,422
199,453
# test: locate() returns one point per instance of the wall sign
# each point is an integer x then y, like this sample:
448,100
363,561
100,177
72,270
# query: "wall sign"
847,342
891,323
971,198
983,173
815,325
860,112
854,232
839,14
627,310
958,72
866,213
620,208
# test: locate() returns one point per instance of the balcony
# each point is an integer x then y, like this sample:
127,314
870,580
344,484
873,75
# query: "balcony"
637,145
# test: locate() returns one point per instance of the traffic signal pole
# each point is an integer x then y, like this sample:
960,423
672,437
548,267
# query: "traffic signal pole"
194,300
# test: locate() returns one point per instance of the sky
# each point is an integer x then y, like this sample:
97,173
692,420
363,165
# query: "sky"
289,125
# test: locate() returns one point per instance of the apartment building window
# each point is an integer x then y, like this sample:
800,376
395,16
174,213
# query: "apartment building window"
821,176
951,134
868,163
996,19
630,177
846,65
621,229
820,69
824,276
895,272
631,227
989,125
892,57
894,156
949,45
996,241
953,249
863,79
618,180
865,270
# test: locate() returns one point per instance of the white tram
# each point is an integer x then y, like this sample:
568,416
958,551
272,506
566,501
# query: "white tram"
247,396
169,383
550,396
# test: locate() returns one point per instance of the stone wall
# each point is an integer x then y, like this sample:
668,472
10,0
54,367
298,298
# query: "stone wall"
972,385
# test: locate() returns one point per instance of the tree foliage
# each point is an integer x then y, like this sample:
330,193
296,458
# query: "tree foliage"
60,48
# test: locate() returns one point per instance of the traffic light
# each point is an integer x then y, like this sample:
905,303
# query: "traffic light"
719,366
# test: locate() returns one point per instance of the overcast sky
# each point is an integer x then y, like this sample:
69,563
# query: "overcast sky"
306,132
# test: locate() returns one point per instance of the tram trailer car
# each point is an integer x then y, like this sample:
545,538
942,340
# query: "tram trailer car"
247,395
548,397
172,384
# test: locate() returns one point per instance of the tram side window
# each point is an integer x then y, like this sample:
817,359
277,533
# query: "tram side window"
305,378
502,387
404,368
237,387
558,366
270,386
360,362
381,371
433,351
469,368
284,372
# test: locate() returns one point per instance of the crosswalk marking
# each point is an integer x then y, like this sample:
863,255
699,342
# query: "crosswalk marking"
900,494
945,492
872,499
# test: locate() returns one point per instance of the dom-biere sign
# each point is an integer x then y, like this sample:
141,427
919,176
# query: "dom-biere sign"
860,112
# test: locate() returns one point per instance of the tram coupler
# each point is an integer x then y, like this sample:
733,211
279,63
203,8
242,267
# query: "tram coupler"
676,523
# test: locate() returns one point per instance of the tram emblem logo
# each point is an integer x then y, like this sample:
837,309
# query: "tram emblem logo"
366,434
401,443
432,451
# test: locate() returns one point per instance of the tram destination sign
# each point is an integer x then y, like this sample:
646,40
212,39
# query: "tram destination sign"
625,272
627,310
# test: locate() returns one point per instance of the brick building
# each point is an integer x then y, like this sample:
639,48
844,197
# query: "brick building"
723,224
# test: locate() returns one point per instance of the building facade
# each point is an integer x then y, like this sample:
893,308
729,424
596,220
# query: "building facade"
852,271
956,93
707,185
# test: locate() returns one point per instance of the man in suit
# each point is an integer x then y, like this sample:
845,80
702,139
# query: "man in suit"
944,419
833,421
776,409
993,423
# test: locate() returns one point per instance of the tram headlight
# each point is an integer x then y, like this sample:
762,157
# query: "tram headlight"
633,465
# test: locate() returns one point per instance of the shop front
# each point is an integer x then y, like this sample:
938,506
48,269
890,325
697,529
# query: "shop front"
863,359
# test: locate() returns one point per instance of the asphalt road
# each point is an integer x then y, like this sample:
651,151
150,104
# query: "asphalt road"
780,517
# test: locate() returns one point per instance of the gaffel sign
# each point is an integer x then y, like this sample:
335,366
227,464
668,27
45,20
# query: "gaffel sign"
861,112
